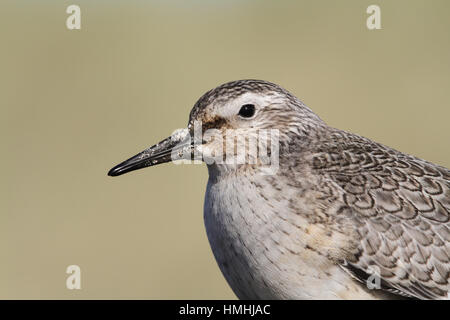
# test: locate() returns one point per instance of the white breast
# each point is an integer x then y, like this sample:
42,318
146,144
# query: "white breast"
261,246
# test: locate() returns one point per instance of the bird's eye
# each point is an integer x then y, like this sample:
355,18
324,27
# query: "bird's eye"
247,111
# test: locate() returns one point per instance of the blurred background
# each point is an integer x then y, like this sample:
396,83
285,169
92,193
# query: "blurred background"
74,103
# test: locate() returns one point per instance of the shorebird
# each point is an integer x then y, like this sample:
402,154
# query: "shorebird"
342,217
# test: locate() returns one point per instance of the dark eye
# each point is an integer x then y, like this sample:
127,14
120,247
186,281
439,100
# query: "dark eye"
247,110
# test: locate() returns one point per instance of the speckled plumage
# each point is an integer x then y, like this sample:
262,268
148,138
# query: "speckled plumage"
370,206
339,208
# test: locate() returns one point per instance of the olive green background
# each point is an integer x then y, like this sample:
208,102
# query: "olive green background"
75,103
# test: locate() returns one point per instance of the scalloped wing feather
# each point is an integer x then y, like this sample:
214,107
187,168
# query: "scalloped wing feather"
400,206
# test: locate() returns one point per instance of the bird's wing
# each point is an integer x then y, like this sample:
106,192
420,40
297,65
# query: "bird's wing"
400,206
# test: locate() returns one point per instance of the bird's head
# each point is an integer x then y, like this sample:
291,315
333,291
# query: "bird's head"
230,125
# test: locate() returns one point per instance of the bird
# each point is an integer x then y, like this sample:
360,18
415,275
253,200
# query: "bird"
339,217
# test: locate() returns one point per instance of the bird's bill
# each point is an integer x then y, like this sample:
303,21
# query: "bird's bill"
174,147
